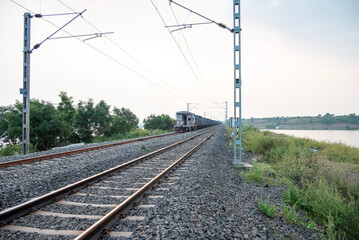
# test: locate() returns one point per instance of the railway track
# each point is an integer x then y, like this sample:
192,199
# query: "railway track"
85,204
77,151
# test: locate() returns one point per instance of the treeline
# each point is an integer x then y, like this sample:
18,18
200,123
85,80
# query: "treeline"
320,122
67,123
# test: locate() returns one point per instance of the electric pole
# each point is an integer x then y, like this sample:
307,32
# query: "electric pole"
237,73
226,112
25,90
237,83
188,104
224,108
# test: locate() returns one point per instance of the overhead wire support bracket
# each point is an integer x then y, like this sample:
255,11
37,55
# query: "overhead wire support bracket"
39,15
194,107
186,25
39,44
222,25
95,35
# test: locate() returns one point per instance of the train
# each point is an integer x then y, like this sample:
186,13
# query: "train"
187,121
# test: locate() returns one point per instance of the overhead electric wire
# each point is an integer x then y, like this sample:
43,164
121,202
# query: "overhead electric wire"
98,50
134,59
194,61
66,5
189,14
92,26
22,6
179,47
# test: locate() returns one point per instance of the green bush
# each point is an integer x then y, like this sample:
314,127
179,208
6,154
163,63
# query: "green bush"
324,201
163,122
322,178
292,194
341,153
290,214
266,208
10,150
260,173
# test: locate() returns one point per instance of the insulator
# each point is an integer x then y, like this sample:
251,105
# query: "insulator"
222,25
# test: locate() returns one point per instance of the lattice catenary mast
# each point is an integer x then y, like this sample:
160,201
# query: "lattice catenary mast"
237,83
25,90
237,74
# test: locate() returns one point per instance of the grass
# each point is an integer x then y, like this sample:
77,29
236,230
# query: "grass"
260,173
266,208
145,148
290,214
136,133
322,179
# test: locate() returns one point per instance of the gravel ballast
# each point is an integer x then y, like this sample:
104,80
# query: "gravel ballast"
210,201
108,193
71,147
205,197
21,183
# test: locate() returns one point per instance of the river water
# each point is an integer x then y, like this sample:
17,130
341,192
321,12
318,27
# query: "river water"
347,137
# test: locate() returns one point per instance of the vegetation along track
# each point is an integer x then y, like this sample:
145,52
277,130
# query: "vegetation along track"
104,190
77,151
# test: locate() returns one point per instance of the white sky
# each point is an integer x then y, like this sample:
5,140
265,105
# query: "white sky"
298,57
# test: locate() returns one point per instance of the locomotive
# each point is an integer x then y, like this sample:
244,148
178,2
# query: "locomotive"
187,121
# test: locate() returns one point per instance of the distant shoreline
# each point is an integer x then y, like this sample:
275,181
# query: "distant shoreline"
326,122
347,137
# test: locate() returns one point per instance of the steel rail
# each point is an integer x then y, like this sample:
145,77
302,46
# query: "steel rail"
105,223
31,205
67,153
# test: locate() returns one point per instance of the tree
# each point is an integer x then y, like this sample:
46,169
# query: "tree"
14,122
66,114
66,107
163,122
101,118
151,122
46,127
328,118
123,121
352,118
4,111
65,124
84,124
328,115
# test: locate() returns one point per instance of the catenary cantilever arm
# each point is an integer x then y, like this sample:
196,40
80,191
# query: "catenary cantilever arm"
39,44
222,25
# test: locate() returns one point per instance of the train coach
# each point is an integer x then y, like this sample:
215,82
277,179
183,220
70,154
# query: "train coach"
187,121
